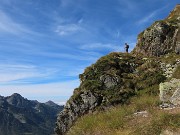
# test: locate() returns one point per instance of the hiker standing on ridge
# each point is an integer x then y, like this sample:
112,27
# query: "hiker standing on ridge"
126,47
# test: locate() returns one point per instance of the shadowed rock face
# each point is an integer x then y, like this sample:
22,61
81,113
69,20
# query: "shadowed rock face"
162,37
20,116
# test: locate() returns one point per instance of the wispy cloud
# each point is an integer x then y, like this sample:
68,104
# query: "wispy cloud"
68,29
15,72
97,46
9,26
147,18
76,56
150,16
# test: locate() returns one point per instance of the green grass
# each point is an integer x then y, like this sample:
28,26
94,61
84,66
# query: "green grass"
120,120
159,121
102,122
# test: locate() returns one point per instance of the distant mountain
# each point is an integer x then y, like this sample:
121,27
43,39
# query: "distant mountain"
52,104
20,116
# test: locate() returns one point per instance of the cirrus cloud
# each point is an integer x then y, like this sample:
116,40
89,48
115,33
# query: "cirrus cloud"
68,29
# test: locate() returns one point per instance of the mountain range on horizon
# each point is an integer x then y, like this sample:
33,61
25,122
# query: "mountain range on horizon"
20,116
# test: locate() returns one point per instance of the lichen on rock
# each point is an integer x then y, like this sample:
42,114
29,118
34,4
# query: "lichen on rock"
170,91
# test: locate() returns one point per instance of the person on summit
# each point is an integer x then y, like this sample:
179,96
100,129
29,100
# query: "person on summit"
126,47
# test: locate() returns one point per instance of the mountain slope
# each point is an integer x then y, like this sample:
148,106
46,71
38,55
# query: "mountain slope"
19,116
117,78
112,80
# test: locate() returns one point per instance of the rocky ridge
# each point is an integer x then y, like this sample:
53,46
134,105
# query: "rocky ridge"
116,78
20,116
162,37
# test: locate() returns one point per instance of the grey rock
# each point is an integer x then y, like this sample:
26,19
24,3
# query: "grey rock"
170,132
141,113
87,101
160,38
169,68
170,91
175,99
167,106
109,81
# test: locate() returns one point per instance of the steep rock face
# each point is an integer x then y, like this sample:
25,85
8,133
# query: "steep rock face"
162,37
170,91
86,102
112,80
19,116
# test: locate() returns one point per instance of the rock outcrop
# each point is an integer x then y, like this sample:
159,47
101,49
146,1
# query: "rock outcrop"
20,116
112,80
170,91
86,102
170,132
162,37
169,69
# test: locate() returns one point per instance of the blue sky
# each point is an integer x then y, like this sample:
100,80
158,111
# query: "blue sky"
46,44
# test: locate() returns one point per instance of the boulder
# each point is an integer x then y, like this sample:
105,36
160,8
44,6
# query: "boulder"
170,132
109,81
170,91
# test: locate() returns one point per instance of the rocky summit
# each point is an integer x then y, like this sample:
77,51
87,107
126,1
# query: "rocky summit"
20,116
118,77
162,37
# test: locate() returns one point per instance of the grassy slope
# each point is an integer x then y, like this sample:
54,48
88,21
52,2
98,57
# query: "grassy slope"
120,120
